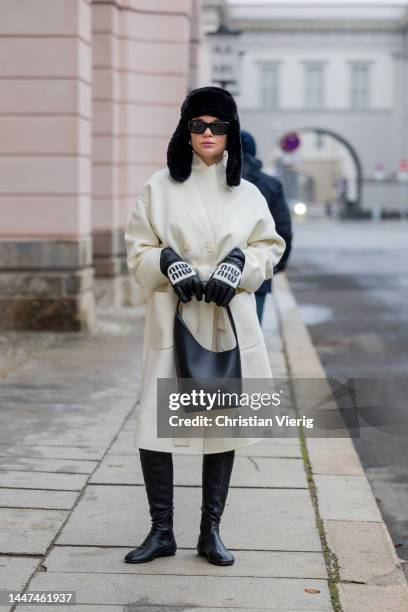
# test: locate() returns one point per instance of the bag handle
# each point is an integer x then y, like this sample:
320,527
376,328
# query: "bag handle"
229,316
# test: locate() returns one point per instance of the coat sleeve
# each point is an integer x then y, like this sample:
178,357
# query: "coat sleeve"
283,223
143,246
264,247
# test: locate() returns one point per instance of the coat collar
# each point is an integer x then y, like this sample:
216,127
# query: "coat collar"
218,169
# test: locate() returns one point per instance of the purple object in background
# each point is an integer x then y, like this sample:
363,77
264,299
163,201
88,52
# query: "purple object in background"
290,142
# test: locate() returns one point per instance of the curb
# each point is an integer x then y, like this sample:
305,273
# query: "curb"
363,567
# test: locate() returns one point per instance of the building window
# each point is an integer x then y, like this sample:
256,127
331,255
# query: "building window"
314,86
320,141
269,86
360,77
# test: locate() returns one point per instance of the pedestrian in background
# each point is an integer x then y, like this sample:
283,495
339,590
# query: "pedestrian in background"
272,190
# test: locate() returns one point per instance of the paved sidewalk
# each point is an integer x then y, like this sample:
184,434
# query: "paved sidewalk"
73,501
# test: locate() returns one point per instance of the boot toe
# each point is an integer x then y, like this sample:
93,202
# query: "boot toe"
136,556
218,558
215,552
144,556
152,550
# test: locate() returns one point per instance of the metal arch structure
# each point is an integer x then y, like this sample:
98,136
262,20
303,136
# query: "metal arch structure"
354,155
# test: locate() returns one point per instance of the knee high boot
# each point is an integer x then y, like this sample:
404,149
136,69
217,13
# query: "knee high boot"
217,468
157,470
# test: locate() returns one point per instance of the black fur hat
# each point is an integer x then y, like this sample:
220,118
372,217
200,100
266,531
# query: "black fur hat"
206,101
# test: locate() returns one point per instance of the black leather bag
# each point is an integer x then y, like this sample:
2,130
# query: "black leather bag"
199,368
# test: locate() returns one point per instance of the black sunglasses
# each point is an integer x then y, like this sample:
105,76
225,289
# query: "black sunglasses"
197,126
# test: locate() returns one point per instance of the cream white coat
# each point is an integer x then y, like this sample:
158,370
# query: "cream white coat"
202,219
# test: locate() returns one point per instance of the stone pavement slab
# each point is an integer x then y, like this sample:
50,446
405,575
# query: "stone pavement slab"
195,591
58,391
14,572
276,447
346,498
28,531
272,564
42,480
60,466
38,498
74,424
271,519
130,426
83,453
74,436
248,471
334,456
16,348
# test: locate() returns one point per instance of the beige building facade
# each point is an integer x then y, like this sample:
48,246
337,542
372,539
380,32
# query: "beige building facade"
90,94
325,66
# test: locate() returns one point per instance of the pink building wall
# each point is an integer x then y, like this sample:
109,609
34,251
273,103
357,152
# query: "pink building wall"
90,93
45,122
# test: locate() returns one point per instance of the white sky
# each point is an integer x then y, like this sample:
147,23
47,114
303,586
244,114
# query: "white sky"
338,3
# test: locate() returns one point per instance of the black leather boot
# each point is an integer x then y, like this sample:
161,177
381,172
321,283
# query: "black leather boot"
217,468
157,470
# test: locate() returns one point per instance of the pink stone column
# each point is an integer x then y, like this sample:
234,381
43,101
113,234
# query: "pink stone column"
106,107
141,73
46,272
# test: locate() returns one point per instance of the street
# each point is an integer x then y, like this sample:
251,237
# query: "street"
350,280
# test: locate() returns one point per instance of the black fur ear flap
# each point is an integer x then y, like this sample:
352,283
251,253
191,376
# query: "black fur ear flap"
206,101
234,148
180,153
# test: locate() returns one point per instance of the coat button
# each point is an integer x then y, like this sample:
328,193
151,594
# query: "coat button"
210,247
187,246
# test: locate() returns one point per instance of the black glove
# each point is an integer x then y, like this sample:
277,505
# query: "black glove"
223,282
181,275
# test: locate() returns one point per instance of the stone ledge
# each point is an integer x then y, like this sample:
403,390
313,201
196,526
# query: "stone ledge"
108,243
76,313
109,292
362,597
107,267
132,294
46,254
364,552
45,284
109,253
118,291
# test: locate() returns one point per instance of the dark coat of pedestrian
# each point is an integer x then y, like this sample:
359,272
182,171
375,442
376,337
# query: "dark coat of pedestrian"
272,190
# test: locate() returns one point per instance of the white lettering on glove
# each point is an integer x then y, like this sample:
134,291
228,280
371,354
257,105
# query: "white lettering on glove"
179,270
228,273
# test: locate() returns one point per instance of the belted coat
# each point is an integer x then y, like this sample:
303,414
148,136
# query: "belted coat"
202,219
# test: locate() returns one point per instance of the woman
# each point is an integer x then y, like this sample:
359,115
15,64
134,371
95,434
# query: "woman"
192,223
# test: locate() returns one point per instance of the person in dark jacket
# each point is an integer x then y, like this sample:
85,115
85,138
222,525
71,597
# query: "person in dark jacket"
272,190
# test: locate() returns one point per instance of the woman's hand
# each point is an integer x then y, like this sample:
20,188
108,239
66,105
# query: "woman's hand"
181,275
224,281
